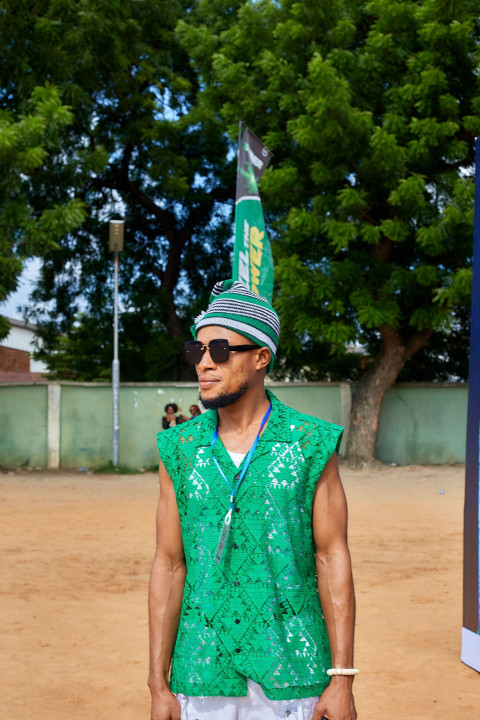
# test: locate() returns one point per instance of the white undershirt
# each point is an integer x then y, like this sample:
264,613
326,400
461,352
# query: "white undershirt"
236,457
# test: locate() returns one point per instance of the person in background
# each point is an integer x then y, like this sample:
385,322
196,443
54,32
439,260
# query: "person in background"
194,411
170,419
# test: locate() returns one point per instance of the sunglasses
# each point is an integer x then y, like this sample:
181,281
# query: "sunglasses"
219,350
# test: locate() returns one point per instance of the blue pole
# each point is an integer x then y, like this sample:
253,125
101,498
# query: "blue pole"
471,578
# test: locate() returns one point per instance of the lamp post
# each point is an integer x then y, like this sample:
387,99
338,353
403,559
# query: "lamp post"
116,246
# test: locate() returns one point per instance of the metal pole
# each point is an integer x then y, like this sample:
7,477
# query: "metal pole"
116,245
115,368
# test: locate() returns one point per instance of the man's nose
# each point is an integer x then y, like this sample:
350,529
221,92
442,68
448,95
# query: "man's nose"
206,362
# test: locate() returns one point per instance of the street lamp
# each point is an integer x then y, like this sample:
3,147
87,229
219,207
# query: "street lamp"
116,246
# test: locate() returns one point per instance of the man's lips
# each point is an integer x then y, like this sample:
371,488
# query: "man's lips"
207,381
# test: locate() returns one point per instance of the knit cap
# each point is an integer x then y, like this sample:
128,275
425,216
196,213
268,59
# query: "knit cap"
232,305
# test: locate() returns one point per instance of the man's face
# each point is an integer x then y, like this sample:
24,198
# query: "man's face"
223,383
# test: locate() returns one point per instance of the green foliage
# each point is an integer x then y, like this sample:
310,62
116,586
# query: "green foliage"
25,144
371,109
86,352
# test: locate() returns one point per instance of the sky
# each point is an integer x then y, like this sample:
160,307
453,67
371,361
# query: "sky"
20,297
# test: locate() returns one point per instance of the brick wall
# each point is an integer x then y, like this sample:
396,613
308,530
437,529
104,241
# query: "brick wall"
12,360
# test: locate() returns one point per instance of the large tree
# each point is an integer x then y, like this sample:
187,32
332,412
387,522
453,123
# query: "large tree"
138,147
371,109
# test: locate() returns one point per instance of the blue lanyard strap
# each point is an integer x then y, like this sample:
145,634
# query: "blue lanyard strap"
244,466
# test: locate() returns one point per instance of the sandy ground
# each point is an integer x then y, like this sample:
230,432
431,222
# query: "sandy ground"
76,551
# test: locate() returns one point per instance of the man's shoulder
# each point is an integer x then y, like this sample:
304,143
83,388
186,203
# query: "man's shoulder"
302,424
299,419
312,423
315,438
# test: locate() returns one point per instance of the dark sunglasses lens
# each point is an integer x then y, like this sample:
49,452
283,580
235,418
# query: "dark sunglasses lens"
218,350
193,351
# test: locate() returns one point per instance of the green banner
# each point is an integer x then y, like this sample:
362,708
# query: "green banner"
252,256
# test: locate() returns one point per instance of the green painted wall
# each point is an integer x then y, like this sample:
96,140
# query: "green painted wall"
419,424
85,425
23,424
423,425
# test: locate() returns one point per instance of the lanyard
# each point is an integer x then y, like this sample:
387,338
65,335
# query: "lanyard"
243,472
239,477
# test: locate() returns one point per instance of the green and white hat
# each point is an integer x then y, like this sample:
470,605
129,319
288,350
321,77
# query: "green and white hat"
232,305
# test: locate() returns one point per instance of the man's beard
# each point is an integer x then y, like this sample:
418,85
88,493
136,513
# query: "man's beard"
224,399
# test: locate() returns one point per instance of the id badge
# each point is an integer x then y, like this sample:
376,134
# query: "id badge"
222,541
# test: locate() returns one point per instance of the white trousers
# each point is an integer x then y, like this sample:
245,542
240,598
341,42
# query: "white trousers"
254,706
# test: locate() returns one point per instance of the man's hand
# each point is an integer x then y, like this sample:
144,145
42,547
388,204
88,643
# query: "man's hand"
165,706
336,702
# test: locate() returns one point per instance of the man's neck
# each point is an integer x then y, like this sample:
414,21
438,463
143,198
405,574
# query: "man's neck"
239,422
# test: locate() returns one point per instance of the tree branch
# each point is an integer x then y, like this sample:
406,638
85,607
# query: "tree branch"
124,183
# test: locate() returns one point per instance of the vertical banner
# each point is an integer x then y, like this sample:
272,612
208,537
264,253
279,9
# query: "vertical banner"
471,578
252,256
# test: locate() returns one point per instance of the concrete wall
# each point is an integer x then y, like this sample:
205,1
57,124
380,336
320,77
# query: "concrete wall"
423,424
70,424
23,425
86,422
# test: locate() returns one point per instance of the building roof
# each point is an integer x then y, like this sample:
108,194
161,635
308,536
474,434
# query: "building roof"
20,324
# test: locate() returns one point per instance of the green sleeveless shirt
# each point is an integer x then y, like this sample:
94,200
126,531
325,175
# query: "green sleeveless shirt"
257,614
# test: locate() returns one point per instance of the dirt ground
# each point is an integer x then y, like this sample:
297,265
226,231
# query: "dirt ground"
76,553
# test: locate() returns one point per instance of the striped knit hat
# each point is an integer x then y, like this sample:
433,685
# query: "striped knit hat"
233,306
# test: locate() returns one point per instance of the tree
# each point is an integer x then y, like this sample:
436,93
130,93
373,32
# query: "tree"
25,143
138,145
371,109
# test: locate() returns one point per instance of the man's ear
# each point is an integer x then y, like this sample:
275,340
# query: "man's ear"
263,358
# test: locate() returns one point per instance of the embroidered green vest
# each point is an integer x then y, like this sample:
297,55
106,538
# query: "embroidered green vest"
257,614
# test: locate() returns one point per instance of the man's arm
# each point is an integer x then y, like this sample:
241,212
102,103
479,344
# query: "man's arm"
167,581
335,588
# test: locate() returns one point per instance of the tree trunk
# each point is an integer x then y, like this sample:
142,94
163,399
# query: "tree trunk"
367,398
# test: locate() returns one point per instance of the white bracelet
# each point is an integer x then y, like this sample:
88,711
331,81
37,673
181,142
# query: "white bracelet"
342,671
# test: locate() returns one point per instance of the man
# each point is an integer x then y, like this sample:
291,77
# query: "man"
251,509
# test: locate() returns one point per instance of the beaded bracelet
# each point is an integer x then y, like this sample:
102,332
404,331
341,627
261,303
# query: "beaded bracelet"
342,671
